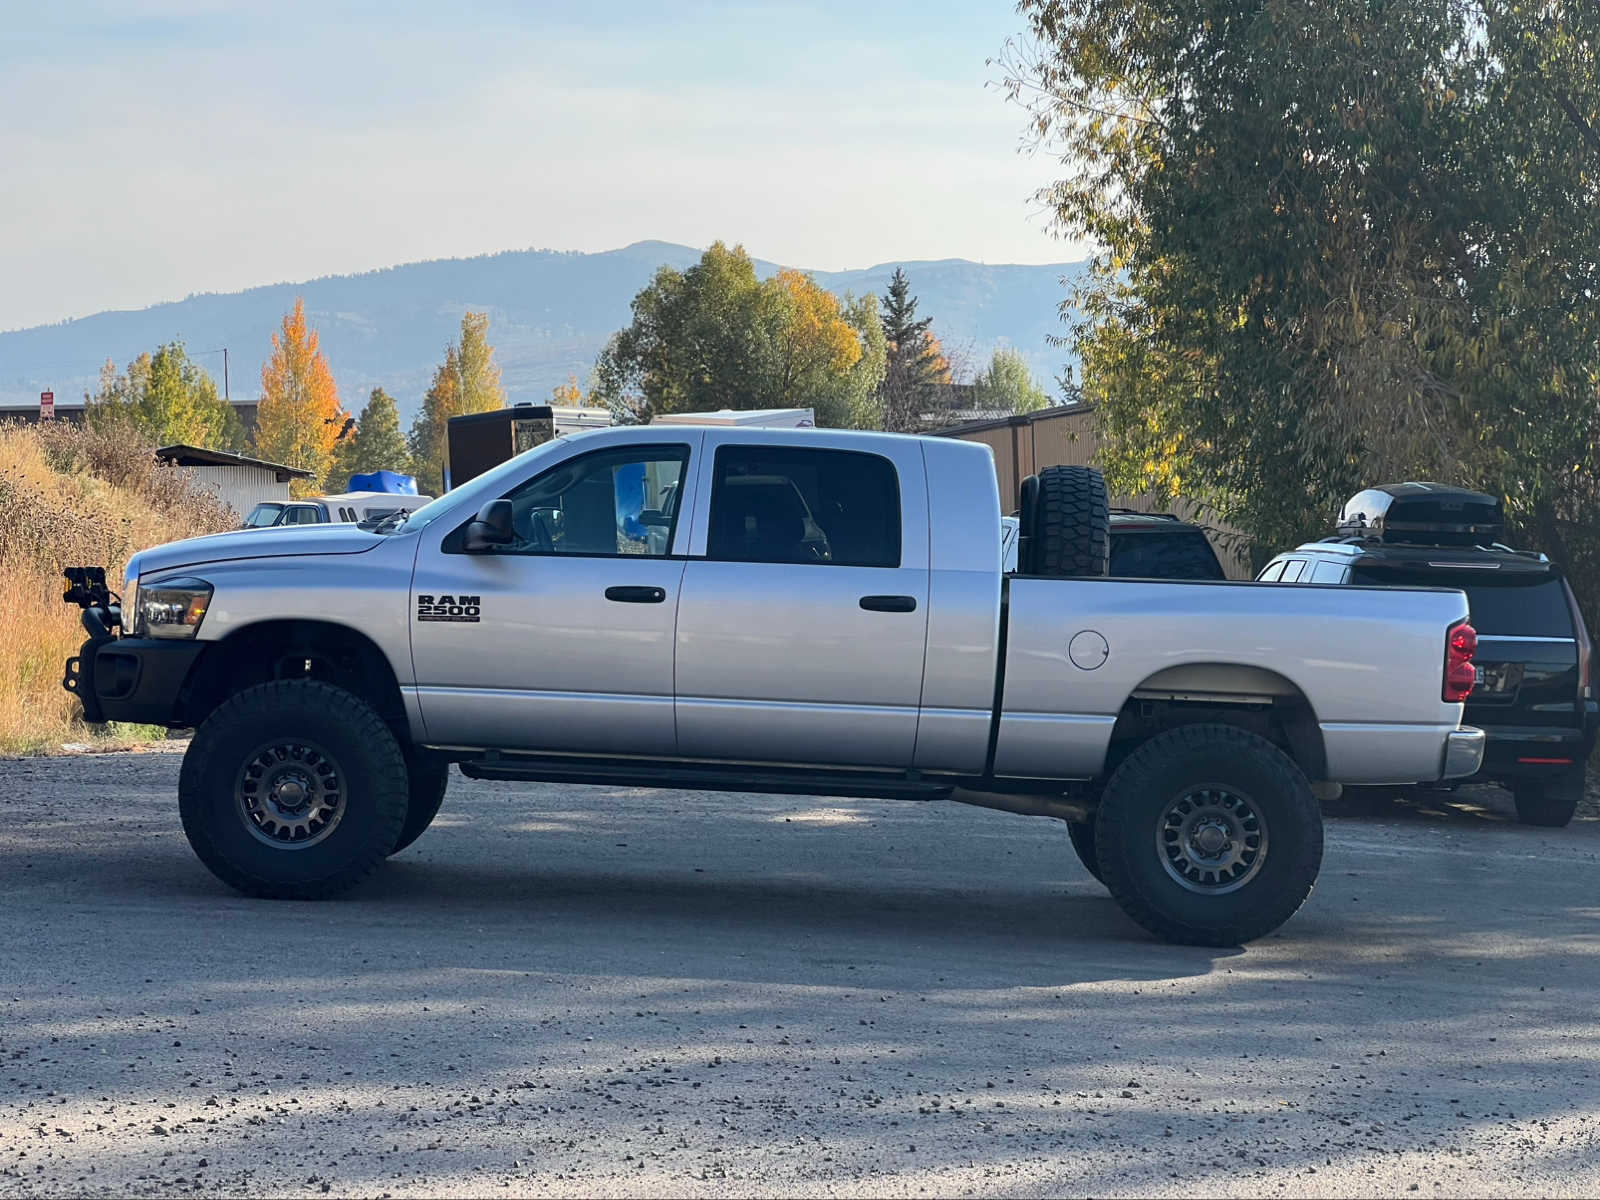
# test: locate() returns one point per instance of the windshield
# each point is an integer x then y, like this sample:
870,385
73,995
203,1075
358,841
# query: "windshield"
263,514
488,486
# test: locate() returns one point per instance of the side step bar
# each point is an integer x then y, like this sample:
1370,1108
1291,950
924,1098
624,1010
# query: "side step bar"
715,777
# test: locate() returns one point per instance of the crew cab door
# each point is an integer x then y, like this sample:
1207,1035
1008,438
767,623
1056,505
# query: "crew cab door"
562,640
803,622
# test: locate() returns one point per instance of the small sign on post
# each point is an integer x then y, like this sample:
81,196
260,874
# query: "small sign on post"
47,406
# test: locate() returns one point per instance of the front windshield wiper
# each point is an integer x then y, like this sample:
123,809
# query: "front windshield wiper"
384,524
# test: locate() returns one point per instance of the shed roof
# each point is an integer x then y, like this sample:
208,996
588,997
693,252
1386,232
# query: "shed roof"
198,456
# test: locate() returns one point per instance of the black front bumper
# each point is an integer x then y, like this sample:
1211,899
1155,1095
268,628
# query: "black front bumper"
139,680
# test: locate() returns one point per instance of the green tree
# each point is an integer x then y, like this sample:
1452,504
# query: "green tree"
164,398
468,381
914,363
1007,385
716,336
1343,242
375,444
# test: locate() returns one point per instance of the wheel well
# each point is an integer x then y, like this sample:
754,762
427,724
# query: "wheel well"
294,649
1254,698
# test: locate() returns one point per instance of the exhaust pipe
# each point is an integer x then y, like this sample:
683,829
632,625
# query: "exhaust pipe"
1029,806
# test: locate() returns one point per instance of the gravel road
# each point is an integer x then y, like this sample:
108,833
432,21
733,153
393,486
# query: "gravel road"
632,992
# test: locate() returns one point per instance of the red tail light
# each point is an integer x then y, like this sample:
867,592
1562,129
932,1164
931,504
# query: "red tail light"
1459,673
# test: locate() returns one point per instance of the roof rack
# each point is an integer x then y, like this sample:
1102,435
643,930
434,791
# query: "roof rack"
1154,516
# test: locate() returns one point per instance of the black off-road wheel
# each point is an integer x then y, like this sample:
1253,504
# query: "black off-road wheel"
1071,519
1208,835
293,790
1082,835
1550,803
429,777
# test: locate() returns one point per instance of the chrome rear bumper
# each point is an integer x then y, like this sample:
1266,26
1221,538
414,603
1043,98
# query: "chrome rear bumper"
1463,752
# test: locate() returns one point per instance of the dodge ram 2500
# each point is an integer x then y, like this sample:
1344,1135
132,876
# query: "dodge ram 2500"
753,609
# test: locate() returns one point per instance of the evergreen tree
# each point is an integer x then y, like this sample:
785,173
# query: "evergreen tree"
374,443
914,364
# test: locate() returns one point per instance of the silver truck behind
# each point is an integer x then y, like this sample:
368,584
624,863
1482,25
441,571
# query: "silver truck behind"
801,611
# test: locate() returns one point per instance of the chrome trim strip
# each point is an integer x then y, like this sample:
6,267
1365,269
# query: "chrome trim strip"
1512,637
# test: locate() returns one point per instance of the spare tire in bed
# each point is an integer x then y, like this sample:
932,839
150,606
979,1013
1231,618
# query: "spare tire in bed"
1065,523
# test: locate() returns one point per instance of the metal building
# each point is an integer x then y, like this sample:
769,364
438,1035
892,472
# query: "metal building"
240,482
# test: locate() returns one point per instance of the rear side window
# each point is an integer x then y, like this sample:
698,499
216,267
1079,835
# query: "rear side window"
1292,569
1508,606
1327,572
1180,554
787,504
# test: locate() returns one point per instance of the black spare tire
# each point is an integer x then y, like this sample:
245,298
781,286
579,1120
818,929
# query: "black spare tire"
1066,519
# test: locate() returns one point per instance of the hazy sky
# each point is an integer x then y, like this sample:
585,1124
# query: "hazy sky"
153,148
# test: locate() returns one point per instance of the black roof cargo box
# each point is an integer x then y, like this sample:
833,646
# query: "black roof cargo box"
1425,514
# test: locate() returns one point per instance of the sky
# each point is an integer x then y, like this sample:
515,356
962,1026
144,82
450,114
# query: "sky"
157,148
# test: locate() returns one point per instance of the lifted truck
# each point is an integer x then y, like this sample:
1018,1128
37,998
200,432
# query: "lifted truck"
804,611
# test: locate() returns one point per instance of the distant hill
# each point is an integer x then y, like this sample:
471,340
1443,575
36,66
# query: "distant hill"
550,312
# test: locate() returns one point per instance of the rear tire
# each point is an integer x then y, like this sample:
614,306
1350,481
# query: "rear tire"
1082,835
1071,532
1549,803
429,779
1209,835
293,790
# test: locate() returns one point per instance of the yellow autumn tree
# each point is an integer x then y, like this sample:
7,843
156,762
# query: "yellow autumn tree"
568,393
300,417
468,381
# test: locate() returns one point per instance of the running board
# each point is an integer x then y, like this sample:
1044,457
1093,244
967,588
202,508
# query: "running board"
706,777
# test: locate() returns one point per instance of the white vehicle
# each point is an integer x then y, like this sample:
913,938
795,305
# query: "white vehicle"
777,610
346,507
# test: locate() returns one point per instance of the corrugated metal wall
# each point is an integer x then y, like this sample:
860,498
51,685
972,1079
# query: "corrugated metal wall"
240,488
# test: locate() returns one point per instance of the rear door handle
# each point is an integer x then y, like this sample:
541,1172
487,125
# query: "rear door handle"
636,595
889,603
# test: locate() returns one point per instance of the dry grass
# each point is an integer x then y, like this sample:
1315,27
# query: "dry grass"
69,497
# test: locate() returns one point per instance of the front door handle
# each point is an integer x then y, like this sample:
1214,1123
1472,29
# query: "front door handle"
889,603
636,595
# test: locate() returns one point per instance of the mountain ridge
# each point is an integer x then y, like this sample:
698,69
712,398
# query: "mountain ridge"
550,313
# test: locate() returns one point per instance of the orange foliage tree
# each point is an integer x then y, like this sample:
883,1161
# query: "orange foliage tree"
300,416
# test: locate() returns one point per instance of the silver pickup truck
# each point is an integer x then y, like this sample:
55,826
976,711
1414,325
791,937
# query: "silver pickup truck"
761,610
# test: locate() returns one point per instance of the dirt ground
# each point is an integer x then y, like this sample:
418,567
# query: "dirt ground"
607,991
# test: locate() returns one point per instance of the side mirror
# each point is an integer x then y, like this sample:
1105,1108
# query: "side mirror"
491,528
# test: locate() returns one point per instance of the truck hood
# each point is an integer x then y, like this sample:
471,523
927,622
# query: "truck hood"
254,543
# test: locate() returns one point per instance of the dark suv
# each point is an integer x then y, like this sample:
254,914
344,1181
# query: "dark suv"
1160,546
1534,694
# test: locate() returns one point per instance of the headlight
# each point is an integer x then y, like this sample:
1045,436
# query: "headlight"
172,608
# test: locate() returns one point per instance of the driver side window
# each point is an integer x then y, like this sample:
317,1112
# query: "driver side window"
607,504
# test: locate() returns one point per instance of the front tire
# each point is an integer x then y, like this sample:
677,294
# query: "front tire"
1208,835
293,790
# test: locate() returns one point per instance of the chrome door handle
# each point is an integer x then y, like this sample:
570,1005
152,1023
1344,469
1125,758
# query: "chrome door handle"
636,595
889,603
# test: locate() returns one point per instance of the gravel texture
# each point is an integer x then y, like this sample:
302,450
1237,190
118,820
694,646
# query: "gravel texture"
632,992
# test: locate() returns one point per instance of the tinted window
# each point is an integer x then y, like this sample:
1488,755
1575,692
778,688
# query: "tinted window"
1180,554
613,502
302,514
793,505
1327,572
1510,605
